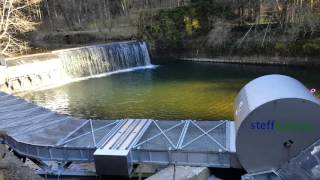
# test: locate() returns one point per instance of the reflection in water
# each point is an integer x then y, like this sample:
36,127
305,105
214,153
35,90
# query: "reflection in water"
183,90
57,101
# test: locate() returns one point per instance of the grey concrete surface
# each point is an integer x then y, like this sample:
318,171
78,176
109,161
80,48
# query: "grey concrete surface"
181,173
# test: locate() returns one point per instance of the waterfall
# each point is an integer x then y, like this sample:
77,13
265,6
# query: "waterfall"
56,68
99,59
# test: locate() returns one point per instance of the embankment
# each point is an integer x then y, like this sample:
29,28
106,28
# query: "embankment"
286,61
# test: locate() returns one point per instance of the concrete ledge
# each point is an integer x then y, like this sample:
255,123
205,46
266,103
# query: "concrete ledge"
296,61
182,173
3,74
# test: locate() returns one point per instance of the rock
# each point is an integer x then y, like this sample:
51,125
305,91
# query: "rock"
148,169
13,169
1,175
3,134
3,164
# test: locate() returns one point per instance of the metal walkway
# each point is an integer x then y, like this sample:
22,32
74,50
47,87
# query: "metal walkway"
45,136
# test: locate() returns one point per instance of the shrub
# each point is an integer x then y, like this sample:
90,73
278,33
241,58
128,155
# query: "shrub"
311,48
281,48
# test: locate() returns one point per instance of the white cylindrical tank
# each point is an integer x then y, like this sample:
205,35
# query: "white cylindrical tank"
276,118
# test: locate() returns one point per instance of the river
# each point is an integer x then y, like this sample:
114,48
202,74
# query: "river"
174,90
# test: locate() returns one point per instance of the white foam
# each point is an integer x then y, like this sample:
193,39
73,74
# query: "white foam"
71,80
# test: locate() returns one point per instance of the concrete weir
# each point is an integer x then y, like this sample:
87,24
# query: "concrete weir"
62,66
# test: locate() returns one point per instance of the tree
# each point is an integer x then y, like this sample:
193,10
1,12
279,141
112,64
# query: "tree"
17,17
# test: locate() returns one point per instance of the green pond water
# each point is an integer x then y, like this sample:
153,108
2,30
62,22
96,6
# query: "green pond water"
176,90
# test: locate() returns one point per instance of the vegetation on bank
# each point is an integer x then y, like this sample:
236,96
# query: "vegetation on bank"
28,26
17,17
207,28
189,28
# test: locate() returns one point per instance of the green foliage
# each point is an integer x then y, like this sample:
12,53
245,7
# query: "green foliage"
209,8
167,28
281,48
194,29
191,25
301,49
311,48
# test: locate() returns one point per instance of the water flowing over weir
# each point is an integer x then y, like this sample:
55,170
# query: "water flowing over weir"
59,67
93,60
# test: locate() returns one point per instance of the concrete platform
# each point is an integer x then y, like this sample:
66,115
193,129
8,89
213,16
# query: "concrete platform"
182,173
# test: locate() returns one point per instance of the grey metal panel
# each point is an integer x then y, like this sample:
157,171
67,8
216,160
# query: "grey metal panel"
117,148
265,175
83,136
305,166
49,153
269,88
274,100
207,159
50,133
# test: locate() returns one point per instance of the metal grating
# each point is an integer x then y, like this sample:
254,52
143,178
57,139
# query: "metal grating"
161,135
185,135
205,136
44,135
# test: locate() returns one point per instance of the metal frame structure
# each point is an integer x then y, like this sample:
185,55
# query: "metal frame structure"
305,166
177,152
265,175
54,141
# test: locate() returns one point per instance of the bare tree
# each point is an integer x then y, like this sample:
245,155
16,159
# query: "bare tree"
16,18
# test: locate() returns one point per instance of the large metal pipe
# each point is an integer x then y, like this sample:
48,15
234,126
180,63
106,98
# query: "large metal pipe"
276,118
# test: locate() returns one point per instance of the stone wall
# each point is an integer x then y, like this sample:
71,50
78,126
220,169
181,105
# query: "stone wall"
288,61
29,72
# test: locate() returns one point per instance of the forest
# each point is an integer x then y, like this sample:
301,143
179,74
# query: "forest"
204,28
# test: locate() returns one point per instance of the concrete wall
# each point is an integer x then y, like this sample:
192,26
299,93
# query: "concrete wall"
3,74
287,61
30,72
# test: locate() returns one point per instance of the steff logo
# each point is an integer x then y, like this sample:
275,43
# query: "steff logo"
283,126
269,125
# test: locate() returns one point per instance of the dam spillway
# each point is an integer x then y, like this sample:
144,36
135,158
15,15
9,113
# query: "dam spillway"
99,59
62,66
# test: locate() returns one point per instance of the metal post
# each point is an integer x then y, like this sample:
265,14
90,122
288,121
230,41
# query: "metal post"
93,137
174,171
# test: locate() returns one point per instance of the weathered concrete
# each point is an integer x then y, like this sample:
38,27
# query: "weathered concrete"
146,170
182,173
32,72
295,61
3,74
